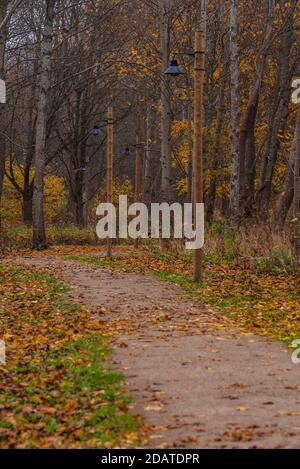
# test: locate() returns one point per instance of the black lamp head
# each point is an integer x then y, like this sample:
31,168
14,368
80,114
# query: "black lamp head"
173,69
96,131
127,152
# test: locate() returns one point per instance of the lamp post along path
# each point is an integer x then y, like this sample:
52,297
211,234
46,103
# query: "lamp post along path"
109,170
138,176
199,74
197,164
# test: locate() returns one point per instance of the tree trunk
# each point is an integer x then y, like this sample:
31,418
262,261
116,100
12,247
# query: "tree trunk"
3,39
285,199
28,187
80,166
79,208
296,206
235,164
247,152
278,116
165,104
84,161
147,168
216,153
27,196
85,178
39,232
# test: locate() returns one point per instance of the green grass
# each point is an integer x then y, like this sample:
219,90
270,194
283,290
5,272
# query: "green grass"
21,236
57,389
92,260
277,263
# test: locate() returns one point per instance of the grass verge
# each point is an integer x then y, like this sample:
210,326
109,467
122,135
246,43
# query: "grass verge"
56,390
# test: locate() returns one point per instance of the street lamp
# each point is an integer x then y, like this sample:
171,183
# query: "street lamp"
173,69
199,73
97,131
138,171
130,149
109,168
126,152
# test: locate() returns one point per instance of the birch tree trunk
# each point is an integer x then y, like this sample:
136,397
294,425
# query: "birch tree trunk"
3,39
39,233
165,103
296,206
234,91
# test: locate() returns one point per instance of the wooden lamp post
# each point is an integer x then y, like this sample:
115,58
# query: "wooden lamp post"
109,170
138,176
199,74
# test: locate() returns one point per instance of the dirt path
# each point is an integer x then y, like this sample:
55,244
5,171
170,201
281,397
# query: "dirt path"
198,384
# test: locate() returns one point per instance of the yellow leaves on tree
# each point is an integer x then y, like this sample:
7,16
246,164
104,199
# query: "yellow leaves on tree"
55,200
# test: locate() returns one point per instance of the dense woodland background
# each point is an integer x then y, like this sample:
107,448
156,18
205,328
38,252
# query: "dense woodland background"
66,61
196,367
